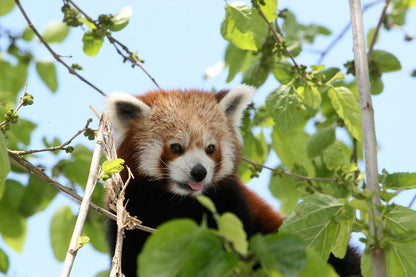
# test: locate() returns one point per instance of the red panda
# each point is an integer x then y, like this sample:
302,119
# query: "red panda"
180,144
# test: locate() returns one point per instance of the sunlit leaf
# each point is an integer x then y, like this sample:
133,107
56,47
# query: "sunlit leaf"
92,43
320,141
243,26
347,107
284,189
56,32
231,228
47,72
4,262
201,252
28,34
121,19
6,6
400,181
61,228
269,9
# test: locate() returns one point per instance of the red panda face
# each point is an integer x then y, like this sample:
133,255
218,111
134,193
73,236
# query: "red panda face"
188,140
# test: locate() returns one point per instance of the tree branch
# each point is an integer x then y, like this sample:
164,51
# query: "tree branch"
55,56
83,210
55,148
375,36
306,178
369,136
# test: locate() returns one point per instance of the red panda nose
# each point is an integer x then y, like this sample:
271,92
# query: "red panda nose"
198,172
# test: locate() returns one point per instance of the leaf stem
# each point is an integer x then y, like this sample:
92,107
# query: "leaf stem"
375,36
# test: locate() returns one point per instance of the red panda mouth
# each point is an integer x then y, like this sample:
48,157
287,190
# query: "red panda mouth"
191,186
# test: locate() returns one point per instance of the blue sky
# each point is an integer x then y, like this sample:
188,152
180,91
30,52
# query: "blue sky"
179,40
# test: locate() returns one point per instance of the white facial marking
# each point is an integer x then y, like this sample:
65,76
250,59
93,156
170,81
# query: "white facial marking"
180,171
149,158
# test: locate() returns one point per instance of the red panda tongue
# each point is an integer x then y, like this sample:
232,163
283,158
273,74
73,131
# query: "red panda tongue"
196,186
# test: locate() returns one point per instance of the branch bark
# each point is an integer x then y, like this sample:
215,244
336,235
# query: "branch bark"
369,135
83,210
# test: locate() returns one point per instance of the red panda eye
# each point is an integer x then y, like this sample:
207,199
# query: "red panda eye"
210,149
176,148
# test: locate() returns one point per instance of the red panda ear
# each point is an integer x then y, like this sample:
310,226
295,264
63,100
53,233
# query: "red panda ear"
123,107
234,102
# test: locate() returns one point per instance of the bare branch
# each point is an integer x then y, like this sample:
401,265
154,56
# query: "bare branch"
55,56
306,178
59,147
375,36
369,136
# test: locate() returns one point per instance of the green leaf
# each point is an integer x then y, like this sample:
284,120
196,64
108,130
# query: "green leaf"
234,60
320,141
113,166
75,168
400,259
121,19
286,108
4,262
92,43
56,32
269,9
336,155
20,134
104,273
207,203
13,78
95,229
386,61
290,147
283,71
201,252
284,189
61,228
82,241
376,84
47,72
36,197
280,252
400,181
347,107
231,228
27,34
310,96
316,266
323,222
370,35
243,26
13,227
5,164
6,6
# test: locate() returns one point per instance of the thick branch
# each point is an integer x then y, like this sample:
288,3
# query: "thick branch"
369,136
83,210
55,56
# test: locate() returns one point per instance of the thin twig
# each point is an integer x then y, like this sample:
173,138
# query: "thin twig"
306,178
342,33
369,136
55,148
17,108
375,35
277,39
131,56
56,56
